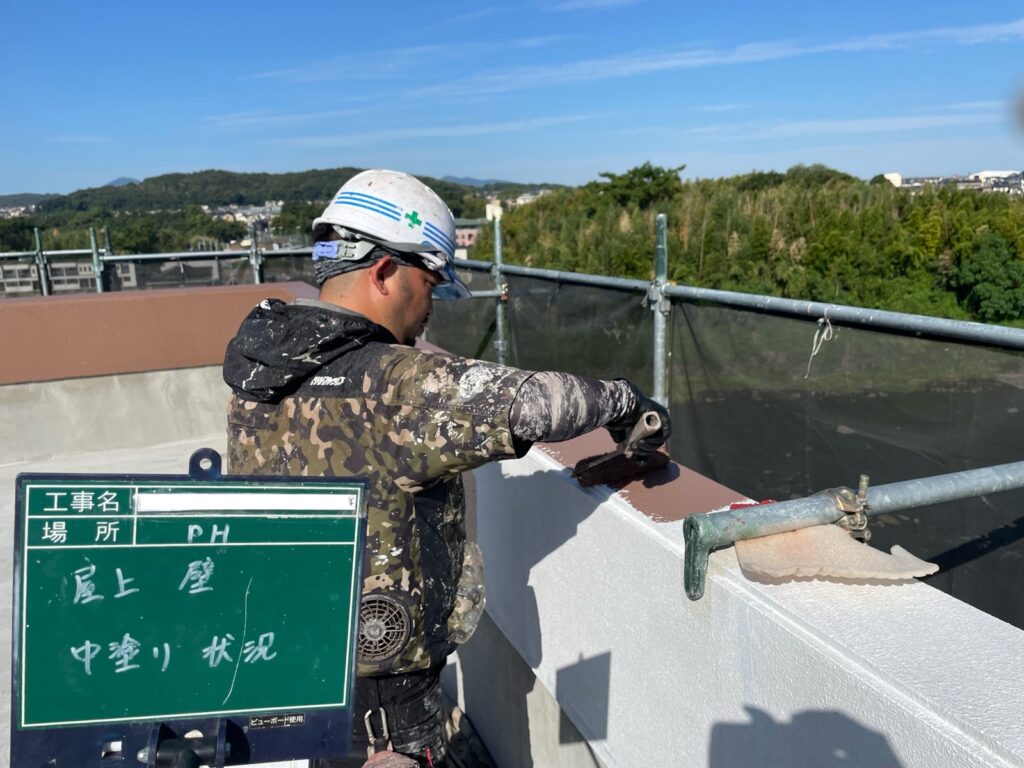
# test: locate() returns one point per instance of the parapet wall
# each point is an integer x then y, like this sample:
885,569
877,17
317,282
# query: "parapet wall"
588,588
64,337
98,372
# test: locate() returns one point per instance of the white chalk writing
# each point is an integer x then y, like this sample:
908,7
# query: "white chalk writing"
85,587
197,576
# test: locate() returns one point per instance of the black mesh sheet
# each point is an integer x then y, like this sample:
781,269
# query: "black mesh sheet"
466,326
582,329
283,269
755,410
178,274
551,326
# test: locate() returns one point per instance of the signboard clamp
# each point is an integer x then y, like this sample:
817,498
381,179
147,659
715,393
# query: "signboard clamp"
204,464
167,750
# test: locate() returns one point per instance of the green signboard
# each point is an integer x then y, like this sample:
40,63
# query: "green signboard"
148,598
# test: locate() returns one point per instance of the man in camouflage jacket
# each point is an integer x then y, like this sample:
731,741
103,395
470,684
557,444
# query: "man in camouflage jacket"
336,388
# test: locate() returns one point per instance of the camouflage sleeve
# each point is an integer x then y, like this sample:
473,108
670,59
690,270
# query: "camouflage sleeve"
553,406
452,414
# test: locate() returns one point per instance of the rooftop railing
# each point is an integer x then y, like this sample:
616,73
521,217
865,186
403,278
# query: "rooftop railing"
658,294
906,394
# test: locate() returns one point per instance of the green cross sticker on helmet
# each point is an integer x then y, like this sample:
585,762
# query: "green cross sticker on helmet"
414,219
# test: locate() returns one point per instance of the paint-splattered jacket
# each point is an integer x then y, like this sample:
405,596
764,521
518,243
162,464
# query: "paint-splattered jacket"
322,392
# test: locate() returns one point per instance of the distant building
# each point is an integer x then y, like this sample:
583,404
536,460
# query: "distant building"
1007,182
466,232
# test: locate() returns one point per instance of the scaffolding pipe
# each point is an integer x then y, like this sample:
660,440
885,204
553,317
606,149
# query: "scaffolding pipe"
66,252
473,264
619,283
42,268
180,256
713,530
660,306
255,260
500,342
917,325
97,263
914,325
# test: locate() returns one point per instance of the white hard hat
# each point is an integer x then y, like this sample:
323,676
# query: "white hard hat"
399,212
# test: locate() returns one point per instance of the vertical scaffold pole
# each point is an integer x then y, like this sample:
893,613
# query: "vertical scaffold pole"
97,263
500,341
660,306
255,257
42,267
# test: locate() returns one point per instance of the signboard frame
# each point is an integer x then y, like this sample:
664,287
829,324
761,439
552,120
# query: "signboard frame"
166,506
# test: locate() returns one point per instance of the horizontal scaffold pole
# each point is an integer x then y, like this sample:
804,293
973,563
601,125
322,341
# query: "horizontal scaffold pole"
714,530
898,322
921,325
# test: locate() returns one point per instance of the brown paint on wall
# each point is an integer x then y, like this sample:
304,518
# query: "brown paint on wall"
664,495
66,337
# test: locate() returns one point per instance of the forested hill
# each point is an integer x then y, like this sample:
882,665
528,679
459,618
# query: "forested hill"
176,191
811,233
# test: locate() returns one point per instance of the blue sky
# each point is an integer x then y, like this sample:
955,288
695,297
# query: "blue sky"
532,90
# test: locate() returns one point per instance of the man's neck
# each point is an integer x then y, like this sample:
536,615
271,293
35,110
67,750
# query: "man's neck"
329,305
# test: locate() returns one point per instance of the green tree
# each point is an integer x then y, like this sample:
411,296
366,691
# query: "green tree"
641,186
990,281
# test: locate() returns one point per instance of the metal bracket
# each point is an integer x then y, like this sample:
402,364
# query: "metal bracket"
706,532
656,299
854,505
698,542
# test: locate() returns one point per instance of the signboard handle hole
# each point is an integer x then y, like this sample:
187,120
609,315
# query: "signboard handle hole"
204,465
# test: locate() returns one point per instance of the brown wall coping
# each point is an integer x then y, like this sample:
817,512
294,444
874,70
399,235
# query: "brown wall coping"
65,337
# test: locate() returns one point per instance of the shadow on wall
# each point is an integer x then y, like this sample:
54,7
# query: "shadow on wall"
586,680
544,529
812,739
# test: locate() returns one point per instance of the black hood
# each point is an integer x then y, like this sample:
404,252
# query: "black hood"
279,346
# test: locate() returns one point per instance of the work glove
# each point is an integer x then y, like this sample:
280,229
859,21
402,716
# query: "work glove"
621,427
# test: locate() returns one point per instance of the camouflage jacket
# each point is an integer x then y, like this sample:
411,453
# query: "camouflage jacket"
320,391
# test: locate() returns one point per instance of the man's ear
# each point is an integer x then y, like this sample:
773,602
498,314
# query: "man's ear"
380,272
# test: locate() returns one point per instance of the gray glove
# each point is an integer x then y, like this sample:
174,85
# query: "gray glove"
620,427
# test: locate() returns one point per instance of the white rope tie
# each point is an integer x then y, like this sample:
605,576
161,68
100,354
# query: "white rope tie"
821,335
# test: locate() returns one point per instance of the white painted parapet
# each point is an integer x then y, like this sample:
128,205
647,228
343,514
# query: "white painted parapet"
589,591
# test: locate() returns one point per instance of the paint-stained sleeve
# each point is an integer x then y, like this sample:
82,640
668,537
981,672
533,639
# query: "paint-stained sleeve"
450,414
552,406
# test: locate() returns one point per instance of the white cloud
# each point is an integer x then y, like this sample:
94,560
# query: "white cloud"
792,129
80,139
372,65
627,65
468,16
240,121
537,42
722,107
430,132
584,5
802,128
973,106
